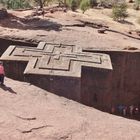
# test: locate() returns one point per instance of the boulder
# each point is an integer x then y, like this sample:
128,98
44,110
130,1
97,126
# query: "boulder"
101,30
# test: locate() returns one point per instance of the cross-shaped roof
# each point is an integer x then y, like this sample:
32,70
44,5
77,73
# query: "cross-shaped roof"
56,59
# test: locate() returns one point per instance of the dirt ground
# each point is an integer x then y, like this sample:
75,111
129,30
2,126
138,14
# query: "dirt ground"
60,27
35,114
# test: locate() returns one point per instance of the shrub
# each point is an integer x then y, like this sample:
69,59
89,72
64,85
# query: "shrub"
119,11
93,3
15,4
137,5
137,2
74,5
84,5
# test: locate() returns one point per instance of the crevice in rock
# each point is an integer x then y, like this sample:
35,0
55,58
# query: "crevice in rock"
66,137
28,119
98,26
35,128
127,35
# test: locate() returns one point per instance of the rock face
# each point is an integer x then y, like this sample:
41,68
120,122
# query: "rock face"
3,13
123,84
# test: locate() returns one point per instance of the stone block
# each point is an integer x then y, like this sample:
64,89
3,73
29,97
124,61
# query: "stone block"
59,68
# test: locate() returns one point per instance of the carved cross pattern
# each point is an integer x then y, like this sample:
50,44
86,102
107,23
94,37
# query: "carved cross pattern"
56,59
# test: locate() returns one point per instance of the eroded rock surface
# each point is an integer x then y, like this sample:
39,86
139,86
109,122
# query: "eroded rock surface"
57,118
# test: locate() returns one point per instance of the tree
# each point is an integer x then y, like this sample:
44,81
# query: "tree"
119,11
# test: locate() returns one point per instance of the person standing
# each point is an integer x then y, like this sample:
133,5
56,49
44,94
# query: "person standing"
124,111
2,73
120,109
131,110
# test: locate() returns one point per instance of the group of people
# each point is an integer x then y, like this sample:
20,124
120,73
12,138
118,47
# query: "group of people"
130,111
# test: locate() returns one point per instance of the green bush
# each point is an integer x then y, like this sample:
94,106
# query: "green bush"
93,3
137,2
74,5
84,5
15,4
137,5
119,11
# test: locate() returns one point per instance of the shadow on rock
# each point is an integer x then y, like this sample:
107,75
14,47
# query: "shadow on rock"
32,23
6,88
126,22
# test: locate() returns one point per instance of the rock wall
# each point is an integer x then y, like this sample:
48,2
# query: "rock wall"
15,69
124,81
96,88
5,43
68,87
